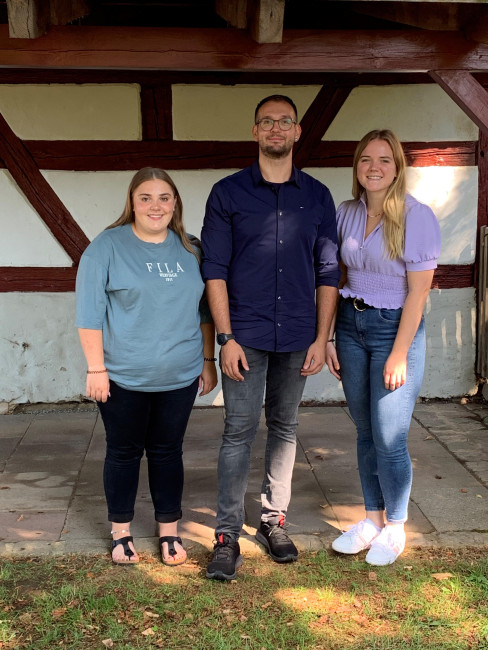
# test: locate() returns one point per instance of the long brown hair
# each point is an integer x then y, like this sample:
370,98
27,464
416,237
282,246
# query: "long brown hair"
176,223
394,203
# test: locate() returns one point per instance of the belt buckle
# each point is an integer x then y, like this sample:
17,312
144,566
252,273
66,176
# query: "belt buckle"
359,304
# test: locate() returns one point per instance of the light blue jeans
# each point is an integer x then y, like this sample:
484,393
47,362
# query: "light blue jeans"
382,417
279,373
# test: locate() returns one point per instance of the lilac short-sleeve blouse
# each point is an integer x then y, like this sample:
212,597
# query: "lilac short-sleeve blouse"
371,274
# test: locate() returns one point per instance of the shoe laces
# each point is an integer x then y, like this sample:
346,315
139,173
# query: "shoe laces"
279,530
223,546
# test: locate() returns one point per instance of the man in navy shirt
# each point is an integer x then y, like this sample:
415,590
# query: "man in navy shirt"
271,269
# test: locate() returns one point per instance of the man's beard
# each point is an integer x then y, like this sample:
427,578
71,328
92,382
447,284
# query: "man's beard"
272,152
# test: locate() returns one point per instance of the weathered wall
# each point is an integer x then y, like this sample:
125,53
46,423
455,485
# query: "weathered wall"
39,351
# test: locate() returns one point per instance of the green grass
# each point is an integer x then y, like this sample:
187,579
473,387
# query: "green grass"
321,602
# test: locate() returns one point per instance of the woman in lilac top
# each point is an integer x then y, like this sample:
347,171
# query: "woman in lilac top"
389,244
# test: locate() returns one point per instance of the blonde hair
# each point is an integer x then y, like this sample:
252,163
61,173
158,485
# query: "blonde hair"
394,203
176,223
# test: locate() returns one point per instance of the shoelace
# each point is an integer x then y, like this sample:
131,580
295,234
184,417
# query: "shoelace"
222,547
279,532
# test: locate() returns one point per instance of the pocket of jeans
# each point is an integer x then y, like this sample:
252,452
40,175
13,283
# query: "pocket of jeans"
390,315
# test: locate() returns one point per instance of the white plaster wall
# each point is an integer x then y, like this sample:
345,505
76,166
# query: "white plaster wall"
39,351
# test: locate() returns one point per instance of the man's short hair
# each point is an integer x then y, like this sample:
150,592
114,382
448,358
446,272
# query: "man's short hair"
276,98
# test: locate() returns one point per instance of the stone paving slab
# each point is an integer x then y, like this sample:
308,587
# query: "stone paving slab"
51,487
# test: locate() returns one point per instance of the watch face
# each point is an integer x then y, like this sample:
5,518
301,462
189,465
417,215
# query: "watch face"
223,338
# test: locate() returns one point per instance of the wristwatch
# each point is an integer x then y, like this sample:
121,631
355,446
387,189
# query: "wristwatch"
223,338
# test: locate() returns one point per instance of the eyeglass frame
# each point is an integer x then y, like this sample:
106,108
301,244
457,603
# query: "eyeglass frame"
269,119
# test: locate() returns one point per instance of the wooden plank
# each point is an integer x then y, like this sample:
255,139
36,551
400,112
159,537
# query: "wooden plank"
157,112
266,20
230,49
233,12
63,12
34,279
27,18
453,276
56,279
82,155
40,194
317,120
467,92
330,153
154,77
482,218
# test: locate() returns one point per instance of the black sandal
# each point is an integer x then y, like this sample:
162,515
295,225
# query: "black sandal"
171,549
127,550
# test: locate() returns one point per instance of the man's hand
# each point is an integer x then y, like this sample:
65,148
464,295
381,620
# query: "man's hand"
314,361
231,354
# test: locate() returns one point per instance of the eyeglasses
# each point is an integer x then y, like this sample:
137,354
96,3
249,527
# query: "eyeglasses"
285,123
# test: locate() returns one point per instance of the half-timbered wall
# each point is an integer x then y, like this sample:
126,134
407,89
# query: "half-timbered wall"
68,151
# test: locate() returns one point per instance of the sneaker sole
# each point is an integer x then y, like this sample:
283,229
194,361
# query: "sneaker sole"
281,560
220,575
364,548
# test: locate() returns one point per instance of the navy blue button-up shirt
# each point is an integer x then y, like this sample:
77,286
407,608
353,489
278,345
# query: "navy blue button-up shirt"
273,244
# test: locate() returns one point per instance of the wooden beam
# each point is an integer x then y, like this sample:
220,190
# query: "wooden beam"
40,278
157,112
233,12
27,18
176,49
117,155
40,194
444,16
63,12
468,94
62,279
482,219
317,120
266,20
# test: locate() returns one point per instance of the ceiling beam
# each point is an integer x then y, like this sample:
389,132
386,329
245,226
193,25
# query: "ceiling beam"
189,50
468,93
27,18
234,12
445,16
266,20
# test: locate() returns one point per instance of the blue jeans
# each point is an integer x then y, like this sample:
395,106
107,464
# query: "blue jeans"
279,373
156,422
382,417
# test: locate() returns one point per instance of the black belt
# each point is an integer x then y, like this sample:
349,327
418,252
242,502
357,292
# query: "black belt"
359,304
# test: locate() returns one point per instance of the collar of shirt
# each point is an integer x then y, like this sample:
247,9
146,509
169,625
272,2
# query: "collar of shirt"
258,178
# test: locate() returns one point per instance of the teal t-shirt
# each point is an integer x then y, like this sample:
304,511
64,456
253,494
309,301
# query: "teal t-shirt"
145,298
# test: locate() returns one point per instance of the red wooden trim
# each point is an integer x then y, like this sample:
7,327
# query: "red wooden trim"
40,194
35,279
333,153
116,155
317,120
453,276
58,279
411,50
468,94
157,112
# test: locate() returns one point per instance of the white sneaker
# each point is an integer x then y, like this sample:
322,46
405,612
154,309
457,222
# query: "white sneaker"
387,546
357,538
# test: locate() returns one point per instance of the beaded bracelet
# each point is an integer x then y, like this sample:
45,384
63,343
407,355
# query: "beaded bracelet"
210,358
95,372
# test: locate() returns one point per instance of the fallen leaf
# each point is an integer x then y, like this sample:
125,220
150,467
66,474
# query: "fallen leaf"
57,613
324,506
372,576
463,490
226,611
408,568
429,438
150,615
20,517
245,636
63,532
148,632
438,476
266,604
478,496
108,643
4,487
243,618
319,457
442,576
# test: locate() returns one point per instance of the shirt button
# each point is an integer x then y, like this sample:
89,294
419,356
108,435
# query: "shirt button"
281,214
279,297
281,241
280,270
279,324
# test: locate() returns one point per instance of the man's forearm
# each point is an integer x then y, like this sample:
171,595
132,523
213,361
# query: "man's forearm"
218,301
326,298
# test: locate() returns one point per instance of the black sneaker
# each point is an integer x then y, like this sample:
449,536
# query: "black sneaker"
225,560
275,539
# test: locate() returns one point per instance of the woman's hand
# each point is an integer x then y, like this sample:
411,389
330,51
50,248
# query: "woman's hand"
332,361
208,378
98,386
395,371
